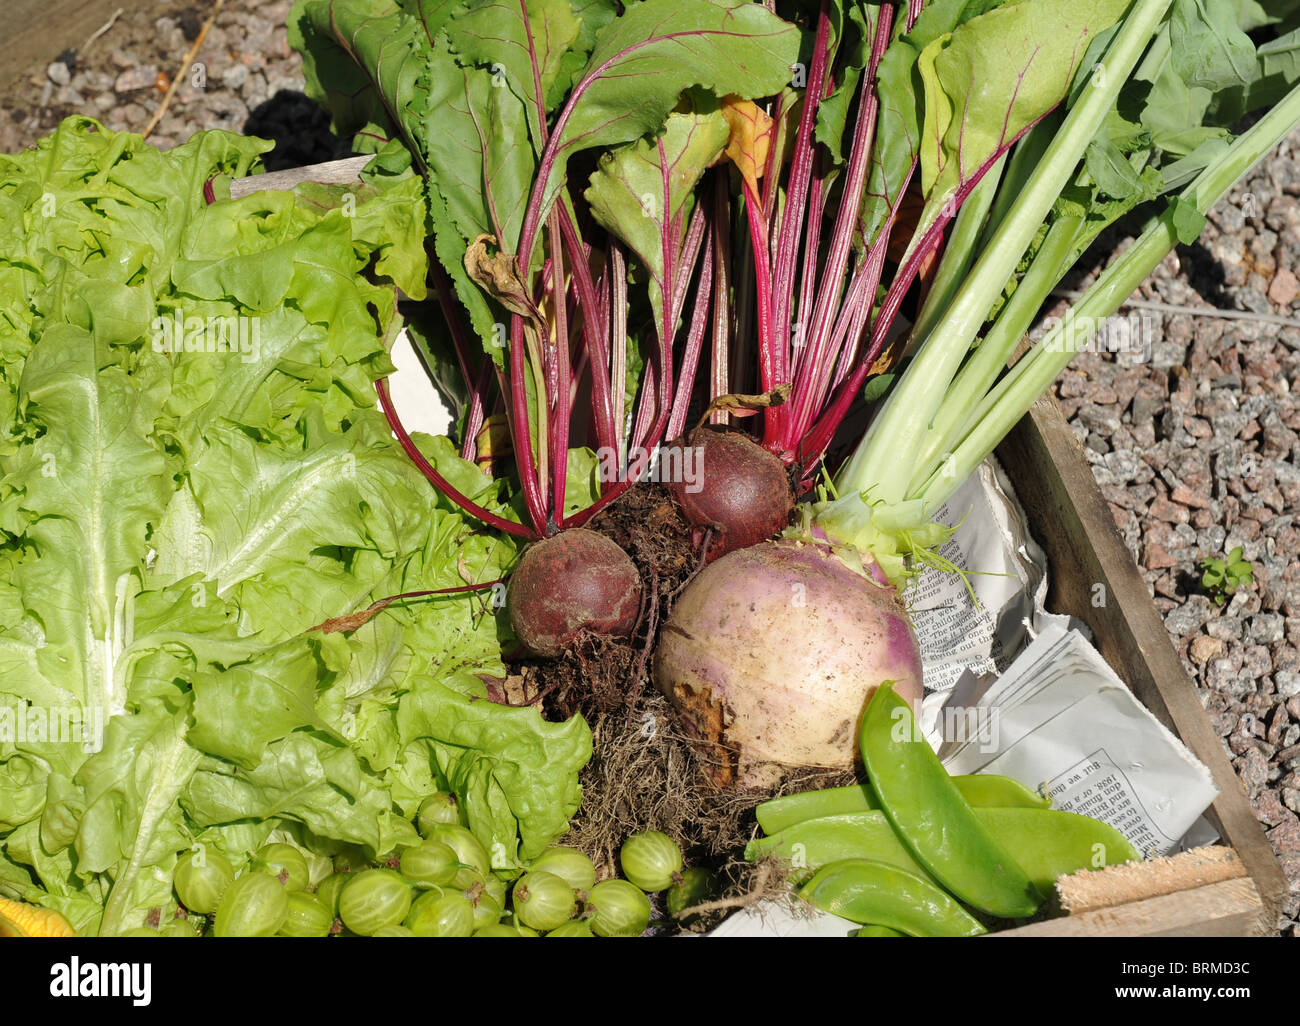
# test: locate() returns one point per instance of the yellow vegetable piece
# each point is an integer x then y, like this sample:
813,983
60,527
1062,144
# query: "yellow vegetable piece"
19,919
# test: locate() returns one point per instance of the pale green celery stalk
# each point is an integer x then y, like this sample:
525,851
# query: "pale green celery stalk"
959,251
957,416
1034,374
882,464
1025,156
979,373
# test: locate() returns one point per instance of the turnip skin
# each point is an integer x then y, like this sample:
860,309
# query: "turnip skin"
741,490
576,582
771,655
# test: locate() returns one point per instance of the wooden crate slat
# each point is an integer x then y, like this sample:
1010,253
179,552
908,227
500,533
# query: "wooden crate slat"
334,172
1230,908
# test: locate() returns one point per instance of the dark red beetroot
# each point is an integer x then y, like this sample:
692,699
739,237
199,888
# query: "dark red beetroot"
577,581
734,485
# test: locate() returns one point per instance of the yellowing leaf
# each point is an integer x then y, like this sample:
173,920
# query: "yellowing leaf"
751,138
499,277
739,405
493,441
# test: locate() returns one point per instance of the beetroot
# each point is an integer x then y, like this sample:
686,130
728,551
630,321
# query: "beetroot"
772,652
738,488
578,581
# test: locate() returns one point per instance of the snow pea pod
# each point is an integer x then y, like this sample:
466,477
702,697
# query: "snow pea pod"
864,891
994,791
872,930
780,814
933,819
980,789
817,842
1050,843
1047,843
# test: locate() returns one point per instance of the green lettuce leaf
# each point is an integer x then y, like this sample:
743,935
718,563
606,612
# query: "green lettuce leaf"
504,761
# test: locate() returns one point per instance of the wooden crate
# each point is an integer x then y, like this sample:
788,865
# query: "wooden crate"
1070,519
37,31
1073,523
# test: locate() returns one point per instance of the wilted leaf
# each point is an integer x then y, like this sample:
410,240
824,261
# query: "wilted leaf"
498,275
493,441
739,405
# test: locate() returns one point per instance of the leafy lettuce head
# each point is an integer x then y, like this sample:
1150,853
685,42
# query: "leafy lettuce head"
193,477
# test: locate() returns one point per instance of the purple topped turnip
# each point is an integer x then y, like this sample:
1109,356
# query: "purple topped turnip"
771,653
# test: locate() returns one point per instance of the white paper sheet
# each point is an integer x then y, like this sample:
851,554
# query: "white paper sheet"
1006,574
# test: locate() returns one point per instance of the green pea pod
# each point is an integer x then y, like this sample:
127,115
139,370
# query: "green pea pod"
1047,843
864,891
994,791
782,813
872,930
1050,843
932,818
980,789
814,843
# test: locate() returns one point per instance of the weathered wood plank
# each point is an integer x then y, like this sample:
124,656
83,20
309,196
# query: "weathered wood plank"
1089,890
1230,908
1054,483
335,172
37,31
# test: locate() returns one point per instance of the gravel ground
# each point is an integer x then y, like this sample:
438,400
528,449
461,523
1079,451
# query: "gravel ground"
1191,425
244,78
1190,421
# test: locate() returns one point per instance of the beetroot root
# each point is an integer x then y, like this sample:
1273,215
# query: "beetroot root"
738,488
574,583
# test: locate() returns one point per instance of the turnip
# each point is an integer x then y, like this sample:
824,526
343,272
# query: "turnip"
771,653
